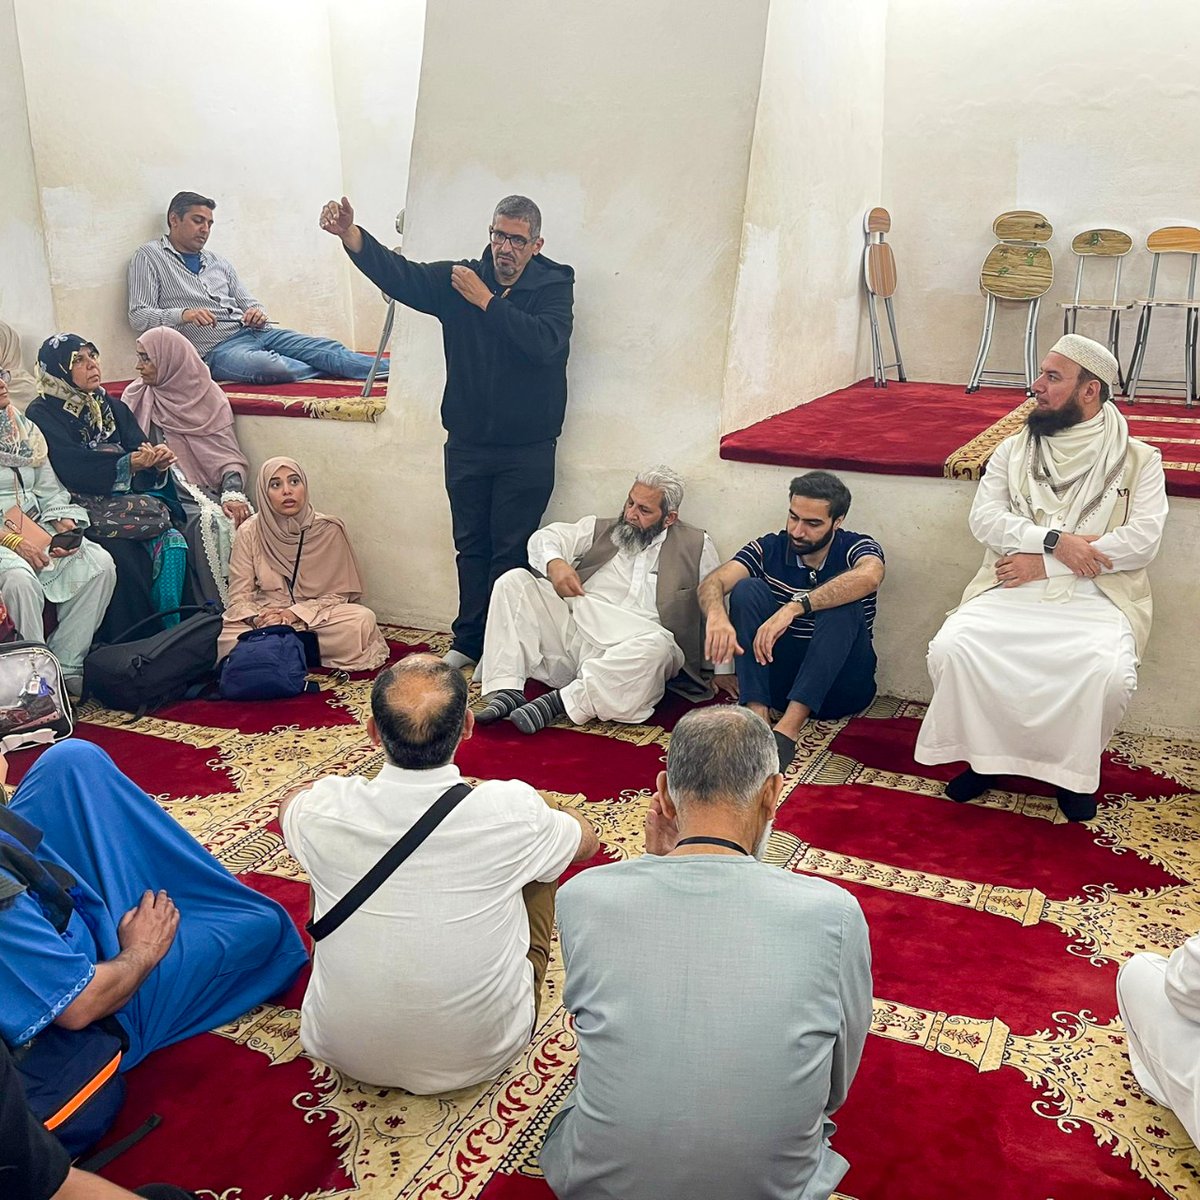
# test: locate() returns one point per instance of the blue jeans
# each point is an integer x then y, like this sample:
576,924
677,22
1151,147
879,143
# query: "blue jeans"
832,674
283,356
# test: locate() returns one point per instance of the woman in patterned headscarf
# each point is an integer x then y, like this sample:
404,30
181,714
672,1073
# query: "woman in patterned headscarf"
124,483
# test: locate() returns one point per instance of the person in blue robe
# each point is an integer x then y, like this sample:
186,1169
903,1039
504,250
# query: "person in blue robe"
81,846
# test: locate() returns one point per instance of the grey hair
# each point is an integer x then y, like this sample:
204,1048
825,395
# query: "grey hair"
669,482
720,756
521,208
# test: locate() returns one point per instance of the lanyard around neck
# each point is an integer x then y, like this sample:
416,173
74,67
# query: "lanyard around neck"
713,841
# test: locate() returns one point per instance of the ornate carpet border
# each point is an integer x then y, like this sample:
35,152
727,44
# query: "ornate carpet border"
967,462
330,408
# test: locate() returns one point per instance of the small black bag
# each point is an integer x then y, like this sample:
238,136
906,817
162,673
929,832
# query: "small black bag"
155,670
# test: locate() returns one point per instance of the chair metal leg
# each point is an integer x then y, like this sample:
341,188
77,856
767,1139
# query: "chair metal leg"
384,338
1189,354
1031,345
1139,353
1114,345
985,344
876,344
891,316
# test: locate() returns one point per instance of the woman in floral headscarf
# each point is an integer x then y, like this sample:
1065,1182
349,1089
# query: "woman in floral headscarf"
78,579
124,483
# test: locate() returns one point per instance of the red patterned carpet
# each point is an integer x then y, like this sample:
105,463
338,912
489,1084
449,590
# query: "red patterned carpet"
996,1067
936,429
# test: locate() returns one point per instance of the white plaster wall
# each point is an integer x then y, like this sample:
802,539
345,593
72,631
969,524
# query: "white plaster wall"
375,47
797,328
130,101
1088,113
631,127
25,300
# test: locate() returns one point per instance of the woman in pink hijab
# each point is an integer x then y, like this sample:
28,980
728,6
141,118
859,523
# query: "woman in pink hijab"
175,401
294,566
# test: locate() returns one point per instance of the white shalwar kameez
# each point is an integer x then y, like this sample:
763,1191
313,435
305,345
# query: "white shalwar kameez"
1159,999
1030,684
606,650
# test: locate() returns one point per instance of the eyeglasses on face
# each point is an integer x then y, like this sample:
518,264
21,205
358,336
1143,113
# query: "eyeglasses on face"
87,354
143,358
5,375
515,240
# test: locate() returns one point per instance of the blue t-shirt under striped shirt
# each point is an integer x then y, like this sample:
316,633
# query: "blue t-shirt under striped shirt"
772,559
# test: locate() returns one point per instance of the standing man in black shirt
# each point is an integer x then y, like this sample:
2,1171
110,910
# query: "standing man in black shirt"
506,330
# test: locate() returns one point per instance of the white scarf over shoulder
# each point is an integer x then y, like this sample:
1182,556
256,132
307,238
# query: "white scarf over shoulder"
1069,480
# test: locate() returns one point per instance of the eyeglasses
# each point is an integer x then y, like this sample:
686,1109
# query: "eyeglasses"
143,358
5,375
515,240
85,355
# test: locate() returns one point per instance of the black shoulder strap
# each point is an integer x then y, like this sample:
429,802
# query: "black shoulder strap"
430,819
296,569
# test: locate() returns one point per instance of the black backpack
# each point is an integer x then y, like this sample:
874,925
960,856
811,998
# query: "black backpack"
155,670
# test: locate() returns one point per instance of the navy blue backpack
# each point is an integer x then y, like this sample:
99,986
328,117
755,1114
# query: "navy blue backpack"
268,664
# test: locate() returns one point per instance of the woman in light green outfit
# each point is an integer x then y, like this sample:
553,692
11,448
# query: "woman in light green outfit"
79,580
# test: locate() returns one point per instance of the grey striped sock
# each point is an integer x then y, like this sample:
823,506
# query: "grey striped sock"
539,713
497,705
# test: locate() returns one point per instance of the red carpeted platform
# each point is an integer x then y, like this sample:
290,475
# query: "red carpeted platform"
936,429
996,1065
330,399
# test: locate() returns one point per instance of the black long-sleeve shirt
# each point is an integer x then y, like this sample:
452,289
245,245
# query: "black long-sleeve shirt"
506,365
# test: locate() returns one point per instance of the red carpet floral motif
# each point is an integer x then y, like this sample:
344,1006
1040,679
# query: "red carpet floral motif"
996,1066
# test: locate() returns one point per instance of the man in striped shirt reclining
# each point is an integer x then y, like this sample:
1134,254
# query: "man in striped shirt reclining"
801,610
175,281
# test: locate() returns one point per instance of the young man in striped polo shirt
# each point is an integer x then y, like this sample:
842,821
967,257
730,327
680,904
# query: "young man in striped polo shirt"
801,611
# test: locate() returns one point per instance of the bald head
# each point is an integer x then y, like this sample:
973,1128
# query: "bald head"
419,705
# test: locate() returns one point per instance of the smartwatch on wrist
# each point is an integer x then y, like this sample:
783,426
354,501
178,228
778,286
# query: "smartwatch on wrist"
1051,540
801,598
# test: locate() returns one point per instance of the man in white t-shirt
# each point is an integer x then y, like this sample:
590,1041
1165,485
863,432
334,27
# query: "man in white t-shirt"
433,983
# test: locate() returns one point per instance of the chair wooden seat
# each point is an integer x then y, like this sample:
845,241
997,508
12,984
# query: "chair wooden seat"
1096,307
1154,302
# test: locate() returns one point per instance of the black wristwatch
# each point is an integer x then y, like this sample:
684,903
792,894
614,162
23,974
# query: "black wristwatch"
801,598
1051,540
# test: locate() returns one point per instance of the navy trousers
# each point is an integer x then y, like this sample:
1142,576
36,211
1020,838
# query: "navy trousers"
833,673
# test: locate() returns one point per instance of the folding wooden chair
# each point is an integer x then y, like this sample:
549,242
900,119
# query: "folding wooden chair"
1171,239
1018,269
1100,243
879,275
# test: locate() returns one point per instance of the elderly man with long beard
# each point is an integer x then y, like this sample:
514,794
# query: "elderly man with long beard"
1035,668
607,617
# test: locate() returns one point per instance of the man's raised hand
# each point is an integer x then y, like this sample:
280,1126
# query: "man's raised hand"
337,217
720,640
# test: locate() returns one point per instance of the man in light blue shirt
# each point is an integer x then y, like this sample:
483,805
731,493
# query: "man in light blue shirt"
176,281
721,1005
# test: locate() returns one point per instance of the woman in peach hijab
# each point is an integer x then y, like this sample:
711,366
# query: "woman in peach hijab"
294,566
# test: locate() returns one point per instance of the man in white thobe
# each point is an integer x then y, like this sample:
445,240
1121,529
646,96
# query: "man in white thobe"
1159,999
1035,668
611,623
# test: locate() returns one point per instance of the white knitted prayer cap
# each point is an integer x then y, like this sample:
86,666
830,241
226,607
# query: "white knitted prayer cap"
1088,354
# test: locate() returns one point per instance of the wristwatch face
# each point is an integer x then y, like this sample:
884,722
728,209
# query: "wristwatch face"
798,598
1051,540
